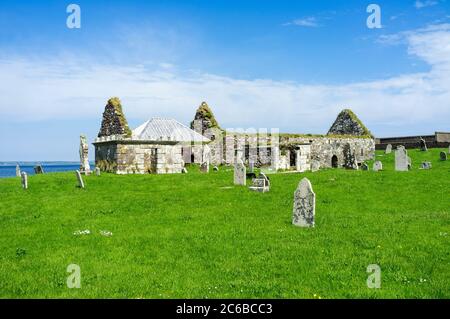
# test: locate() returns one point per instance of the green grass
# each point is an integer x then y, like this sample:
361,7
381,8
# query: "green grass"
198,236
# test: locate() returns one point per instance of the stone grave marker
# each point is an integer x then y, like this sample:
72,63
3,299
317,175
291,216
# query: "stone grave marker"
97,171
364,167
204,168
377,166
443,156
240,173
184,170
24,178
215,169
85,168
315,166
260,184
80,179
423,145
349,158
402,161
18,170
304,205
388,149
38,169
426,165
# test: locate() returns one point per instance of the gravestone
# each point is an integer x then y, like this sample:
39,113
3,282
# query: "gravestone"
315,165
260,184
251,167
97,171
24,178
184,170
38,169
423,145
204,168
443,156
388,149
349,157
426,165
304,205
215,169
364,167
240,173
402,161
85,168
377,166
18,170
80,179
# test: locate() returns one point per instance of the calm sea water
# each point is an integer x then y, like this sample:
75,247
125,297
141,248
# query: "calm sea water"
8,169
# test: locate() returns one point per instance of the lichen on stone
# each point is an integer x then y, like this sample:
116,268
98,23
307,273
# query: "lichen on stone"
348,124
114,121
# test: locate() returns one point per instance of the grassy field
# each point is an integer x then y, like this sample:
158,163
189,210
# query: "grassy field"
198,236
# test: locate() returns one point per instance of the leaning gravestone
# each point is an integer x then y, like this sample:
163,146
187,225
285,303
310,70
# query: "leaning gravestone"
388,149
426,165
38,169
260,184
304,205
423,145
443,156
184,170
97,171
402,161
204,168
364,167
240,173
18,170
80,179
24,180
377,166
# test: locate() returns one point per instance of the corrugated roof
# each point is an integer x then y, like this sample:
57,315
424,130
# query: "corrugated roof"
161,129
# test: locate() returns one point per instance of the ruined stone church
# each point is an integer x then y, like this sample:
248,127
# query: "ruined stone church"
162,145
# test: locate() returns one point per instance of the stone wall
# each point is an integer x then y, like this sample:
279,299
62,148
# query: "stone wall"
129,157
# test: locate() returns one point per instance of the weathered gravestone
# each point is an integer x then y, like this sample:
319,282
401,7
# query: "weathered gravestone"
423,145
38,169
388,149
402,160
349,157
204,168
315,166
377,166
364,167
80,179
304,205
97,171
215,169
184,170
18,170
260,184
443,156
24,178
426,165
251,167
84,156
240,173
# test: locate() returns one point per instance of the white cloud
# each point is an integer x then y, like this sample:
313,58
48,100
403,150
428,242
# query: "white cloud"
310,22
407,104
426,3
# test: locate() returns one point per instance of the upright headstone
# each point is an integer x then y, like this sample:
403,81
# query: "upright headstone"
443,156
204,168
304,205
423,145
349,157
364,167
97,171
24,180
377,166
315,165
388,149
84,156
240,173
18,170
38,169
402,161
80,179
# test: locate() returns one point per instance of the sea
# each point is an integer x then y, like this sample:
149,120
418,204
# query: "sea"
8,169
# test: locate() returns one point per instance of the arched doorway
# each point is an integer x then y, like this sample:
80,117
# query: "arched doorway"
334,162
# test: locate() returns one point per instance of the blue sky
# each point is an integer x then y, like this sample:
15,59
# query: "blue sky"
290,65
